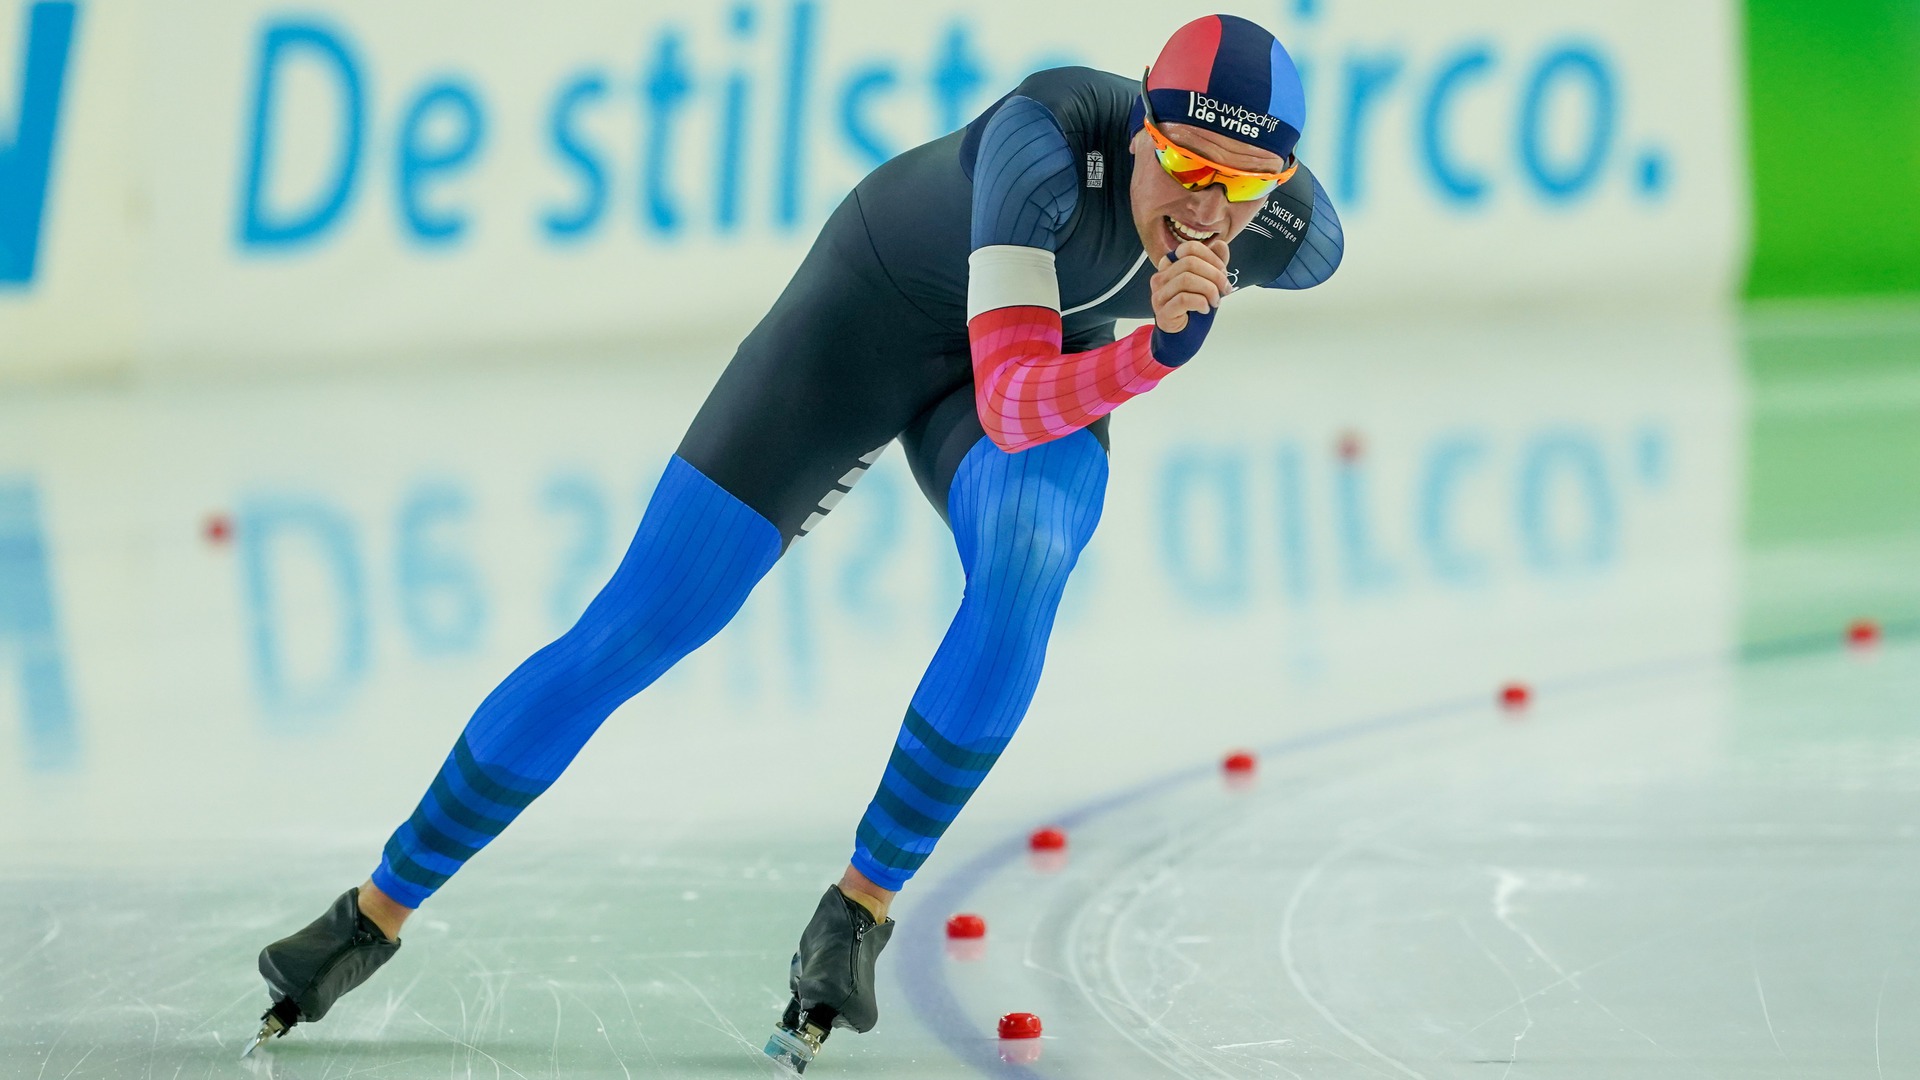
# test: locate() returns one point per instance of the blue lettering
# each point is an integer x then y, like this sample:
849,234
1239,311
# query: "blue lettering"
1367,570
733,131
956,78
427,156
572,145
861,85
29,633
441,600
583,559
1439,492
260,225
26,161
1199,489
1463,185
666,89
1652,455
1652,173
1571,463
268,532
793,173
1295,555
1563,180
1367,81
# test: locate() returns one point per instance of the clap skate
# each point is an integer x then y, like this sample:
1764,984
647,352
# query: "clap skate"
308,971
831,979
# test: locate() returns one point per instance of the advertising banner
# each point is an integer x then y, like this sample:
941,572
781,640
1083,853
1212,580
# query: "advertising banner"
235,183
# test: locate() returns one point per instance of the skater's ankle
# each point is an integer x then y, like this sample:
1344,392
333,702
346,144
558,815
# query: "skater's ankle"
384,911
860,889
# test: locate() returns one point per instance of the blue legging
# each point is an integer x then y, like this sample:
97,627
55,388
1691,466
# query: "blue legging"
1020,522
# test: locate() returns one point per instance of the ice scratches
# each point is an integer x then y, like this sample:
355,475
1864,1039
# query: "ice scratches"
634,1018
1759,989
1715,915
471,1049
1507,885
722,1025
1878,1004
1104,923
1308,881
52,934
1519,994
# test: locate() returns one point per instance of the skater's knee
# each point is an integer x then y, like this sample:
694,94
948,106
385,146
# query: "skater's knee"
633,629
1022,518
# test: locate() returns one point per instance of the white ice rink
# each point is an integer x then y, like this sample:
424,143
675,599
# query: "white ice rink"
1691,856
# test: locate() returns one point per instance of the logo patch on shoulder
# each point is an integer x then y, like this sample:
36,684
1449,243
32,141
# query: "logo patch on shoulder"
1096,169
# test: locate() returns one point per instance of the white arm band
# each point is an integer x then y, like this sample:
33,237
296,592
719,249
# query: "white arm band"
1009,275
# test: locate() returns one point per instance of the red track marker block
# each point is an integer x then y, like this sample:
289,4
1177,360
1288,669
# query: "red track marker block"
1515,696
1019,1026
1047,839
966,926
1240,763
218,529
1862,633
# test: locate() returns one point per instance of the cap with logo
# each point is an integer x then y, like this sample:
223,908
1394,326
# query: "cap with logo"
1228,75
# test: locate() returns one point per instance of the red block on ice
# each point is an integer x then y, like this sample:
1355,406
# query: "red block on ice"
1515,695
1862,632
966,926
1019,1026
1240,762
1048,839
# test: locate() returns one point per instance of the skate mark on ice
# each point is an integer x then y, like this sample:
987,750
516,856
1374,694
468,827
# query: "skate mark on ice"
83,1058
498,1064
223,1010
39,947
1507,884
726,1026
1878,1003
1672,931
1307,882
645,1043
1753,963
1093,952
1519,992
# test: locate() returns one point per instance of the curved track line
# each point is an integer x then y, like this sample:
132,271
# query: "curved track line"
922,969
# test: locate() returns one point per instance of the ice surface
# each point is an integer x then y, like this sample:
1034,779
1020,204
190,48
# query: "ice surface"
1682,860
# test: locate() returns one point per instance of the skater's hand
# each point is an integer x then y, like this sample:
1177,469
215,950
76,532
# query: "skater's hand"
1193,279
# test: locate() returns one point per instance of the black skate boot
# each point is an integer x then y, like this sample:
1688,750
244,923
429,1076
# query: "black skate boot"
832,979
308,971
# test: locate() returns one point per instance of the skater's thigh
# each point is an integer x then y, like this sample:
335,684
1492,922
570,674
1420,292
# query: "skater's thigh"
838,368
941,437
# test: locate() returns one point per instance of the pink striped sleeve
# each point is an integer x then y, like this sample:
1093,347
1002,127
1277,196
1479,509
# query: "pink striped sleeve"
1028,392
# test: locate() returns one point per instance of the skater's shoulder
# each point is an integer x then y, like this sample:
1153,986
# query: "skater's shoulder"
1080,98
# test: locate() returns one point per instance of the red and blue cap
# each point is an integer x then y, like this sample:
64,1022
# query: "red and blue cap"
1229,75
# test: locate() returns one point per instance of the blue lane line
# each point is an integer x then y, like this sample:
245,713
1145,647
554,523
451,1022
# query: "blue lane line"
923,963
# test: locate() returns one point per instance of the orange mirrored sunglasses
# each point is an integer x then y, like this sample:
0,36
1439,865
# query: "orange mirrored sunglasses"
1193,172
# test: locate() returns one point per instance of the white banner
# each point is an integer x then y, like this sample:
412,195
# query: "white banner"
253,184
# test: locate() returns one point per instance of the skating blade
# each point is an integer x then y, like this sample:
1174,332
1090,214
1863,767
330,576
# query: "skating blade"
270,1025
791,1051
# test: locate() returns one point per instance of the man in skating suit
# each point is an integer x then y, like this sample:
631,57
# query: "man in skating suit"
961,301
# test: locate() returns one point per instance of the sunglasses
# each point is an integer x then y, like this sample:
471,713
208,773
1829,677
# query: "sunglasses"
1193,172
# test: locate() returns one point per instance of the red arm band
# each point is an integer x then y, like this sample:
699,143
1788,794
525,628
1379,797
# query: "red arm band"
1028,392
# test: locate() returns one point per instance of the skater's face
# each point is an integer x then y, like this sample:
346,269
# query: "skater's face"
1159,199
